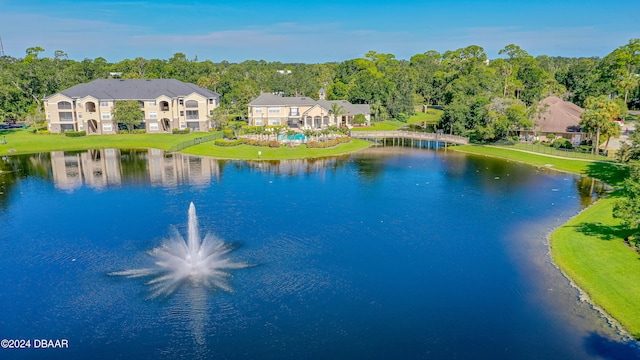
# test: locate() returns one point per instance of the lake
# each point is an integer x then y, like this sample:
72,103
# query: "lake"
385,253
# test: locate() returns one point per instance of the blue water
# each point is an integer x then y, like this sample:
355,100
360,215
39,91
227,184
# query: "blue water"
388,253
299,137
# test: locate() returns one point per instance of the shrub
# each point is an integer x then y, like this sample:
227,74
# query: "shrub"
43,132
228,134
562,143
223,142
360,119
75,133
139,131
327,144
181,131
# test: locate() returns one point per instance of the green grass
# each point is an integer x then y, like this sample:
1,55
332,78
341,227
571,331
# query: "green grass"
590,250
381,126
432,117
611,173
245,152
25,142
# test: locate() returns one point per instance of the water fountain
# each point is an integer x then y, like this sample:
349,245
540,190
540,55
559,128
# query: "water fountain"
198,263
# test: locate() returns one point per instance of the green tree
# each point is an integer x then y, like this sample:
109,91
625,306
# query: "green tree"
127,113
624,64
627,209
599,111
336,110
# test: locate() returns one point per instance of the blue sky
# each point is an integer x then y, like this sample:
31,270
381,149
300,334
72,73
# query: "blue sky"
312,31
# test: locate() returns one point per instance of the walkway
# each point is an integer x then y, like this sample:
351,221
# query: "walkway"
419,136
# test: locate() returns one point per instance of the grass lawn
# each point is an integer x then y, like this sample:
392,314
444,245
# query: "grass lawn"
432,117
590,250
611,173
23,141
245,152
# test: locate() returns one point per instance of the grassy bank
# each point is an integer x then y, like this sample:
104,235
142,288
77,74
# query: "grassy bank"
247,152
590,250
590,247
420,118
25,142
611,173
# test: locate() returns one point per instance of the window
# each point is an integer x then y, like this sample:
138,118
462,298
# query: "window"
192,104
181,112
153,115
48,115
81,126
257,110
64,105
104,104
275,121
65,116
164,106
192,114
181,101
211,112
212,102
153,126
294,112
274,110
183,124
107,127
105,115
79,114
151,103
258,122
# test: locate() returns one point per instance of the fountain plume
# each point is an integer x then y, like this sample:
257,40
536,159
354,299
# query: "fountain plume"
198,263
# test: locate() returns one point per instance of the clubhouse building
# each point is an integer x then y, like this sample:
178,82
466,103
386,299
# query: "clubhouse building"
167,104
303,112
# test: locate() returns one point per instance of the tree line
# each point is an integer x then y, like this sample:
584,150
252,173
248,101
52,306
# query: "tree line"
482,98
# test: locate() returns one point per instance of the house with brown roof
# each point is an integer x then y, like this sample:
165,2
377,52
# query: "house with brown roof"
167,104
303,112
560,118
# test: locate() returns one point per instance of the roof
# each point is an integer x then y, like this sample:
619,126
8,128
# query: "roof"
135,89
267,99
558,116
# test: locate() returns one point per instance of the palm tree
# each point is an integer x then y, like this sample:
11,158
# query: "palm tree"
336,110
308,133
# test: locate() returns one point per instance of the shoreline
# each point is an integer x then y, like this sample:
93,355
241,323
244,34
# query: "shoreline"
583,216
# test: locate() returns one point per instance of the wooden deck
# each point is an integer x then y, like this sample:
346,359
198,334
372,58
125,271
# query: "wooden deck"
418,136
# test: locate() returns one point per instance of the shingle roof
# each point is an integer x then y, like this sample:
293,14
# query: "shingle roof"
559,116
135,89
267,99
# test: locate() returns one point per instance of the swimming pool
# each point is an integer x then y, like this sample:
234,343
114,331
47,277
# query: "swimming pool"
299,137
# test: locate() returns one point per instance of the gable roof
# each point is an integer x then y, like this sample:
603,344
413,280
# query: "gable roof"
135,89
559,116
267,99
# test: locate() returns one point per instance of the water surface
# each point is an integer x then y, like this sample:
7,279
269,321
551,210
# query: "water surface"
386,253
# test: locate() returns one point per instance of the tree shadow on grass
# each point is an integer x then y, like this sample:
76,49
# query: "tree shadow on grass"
605,348
610,173
604,232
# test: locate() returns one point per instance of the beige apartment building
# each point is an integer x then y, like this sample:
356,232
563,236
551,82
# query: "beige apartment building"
303,112
167,104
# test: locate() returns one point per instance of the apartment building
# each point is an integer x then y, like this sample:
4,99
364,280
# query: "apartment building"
167,104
